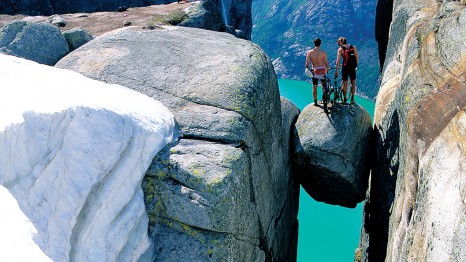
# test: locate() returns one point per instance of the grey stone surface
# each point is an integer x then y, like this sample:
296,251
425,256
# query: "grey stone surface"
76,37
204,189
417,199
225,188
185,68
42,43
332,153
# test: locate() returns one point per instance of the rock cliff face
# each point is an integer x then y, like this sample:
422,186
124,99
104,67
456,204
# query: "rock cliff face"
416,210
224,190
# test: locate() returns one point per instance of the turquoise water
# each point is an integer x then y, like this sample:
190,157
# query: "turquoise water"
327,233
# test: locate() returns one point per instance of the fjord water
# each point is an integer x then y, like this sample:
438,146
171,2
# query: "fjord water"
327,233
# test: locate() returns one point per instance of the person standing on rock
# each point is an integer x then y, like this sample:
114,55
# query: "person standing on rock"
318,59
349,55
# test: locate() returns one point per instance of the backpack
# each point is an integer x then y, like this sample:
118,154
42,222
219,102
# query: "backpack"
349,59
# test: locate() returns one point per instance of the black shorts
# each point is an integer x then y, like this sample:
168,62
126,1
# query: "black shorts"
345,72
315,81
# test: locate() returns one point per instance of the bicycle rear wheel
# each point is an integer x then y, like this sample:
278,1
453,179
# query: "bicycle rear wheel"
329,103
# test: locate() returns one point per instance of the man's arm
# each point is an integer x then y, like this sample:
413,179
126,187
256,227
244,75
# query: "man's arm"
338,62
308,59
356,54
338,59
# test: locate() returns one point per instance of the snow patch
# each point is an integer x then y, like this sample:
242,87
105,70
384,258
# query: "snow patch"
73,154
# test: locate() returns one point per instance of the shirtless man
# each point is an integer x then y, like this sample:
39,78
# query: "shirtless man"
318,59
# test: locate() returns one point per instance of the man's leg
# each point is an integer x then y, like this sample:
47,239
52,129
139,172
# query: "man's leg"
344,77
315,82
345,89
322,83
353,90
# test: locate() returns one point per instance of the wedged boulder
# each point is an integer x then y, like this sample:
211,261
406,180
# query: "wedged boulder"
225,187
68,170
39,42
77,37
332,153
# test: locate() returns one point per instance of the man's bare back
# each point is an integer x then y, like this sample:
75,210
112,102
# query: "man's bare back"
316,57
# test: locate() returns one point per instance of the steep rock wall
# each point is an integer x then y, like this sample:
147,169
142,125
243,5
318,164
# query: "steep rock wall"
416,210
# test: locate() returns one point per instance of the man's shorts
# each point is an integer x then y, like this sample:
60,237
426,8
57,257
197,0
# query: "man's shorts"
345,72
315,81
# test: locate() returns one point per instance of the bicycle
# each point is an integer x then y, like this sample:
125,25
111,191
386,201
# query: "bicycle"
332,93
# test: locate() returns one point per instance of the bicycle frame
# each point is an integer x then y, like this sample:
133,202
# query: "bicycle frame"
332,93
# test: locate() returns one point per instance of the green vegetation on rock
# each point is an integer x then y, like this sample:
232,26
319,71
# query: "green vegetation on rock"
173,18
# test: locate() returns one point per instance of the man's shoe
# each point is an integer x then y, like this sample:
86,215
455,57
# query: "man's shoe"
353,102
315,102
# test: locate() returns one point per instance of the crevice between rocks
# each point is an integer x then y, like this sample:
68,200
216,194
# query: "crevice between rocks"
239,237
235,143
